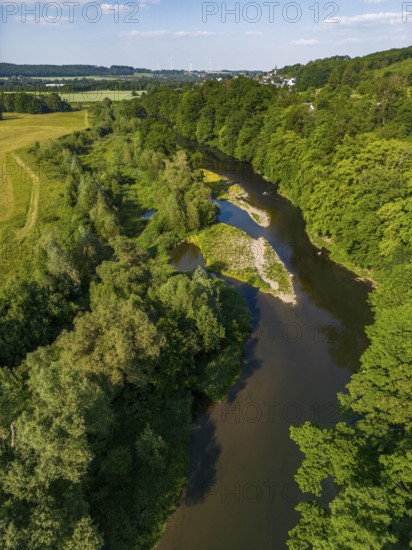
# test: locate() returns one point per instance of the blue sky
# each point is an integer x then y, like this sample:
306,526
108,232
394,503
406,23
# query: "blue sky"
226,35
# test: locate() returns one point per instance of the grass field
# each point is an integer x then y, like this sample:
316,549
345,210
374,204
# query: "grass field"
106,77
97,95
90,96
22,193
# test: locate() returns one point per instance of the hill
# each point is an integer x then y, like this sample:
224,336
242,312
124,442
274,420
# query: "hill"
316,74
12,69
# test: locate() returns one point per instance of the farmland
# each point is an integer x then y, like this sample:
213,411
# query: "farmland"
136,76
90,96
22,194
93,96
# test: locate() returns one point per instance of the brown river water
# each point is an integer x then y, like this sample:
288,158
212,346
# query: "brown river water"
241,493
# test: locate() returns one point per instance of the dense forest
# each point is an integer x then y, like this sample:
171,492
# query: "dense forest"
319,73
343,154
33,103
104,347
12,69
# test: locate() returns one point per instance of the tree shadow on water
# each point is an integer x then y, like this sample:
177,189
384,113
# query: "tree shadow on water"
250,295
204,452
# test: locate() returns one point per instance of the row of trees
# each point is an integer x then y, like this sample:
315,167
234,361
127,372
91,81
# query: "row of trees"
47,291
28,103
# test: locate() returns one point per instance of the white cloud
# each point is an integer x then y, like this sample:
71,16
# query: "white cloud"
371,18
148,34
111,8
172,34
373,1
254,33
305,42
192,34
146,3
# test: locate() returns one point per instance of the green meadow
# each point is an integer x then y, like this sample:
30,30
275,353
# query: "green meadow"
98,95
28,197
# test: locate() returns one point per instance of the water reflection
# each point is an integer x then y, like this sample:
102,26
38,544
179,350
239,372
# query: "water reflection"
204,453
148,215
187,257
241,492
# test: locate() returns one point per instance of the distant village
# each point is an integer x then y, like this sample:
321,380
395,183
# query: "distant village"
275,79
271,78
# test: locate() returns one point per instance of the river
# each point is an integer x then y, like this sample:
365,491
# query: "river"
241,493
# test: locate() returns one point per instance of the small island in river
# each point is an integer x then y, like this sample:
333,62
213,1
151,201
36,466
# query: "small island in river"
231,252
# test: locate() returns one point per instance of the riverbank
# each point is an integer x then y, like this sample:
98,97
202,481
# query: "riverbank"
326,243
239,197
225,190
235,194
231,252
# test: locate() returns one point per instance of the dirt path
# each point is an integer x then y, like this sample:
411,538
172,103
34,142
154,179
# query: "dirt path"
34,201
6,193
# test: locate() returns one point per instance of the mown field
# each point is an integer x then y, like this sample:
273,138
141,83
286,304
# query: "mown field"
97,95
26,193
103,77
91,96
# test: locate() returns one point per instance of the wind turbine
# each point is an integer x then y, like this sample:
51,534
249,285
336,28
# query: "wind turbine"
171,63
190,66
